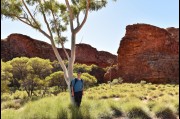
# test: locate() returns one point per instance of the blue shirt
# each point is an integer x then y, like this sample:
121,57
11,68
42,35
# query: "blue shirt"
78,86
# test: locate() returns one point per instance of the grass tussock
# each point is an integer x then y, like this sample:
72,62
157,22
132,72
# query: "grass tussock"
133,101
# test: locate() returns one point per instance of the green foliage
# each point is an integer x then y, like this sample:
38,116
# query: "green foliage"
88,80
30,73
5,97
9,7
6,75
57,79
40,67
10,104
19,95
20,67
81,67
115,81
56,65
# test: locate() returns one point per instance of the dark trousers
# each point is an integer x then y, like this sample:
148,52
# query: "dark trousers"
77,98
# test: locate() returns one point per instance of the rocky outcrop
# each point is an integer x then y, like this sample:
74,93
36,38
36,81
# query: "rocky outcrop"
86,54
18,45
149,53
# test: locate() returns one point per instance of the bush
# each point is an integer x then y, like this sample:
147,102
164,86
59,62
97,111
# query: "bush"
10,104
88,79
20,95
143,82
81,67
56,79
115,81
120,80
6,97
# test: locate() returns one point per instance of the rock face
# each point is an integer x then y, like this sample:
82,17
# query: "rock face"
88,55
18,45
149,53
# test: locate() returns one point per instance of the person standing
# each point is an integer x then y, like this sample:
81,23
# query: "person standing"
77,87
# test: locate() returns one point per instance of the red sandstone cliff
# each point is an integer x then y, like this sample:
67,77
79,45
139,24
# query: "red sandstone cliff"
148,53
17,45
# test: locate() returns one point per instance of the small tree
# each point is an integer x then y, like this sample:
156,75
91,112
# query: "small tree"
19,70
40,67
30,83
6,76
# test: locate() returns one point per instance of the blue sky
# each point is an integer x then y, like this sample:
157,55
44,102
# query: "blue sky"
104,29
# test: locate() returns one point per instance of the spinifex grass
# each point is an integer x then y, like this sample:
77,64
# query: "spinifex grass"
124,100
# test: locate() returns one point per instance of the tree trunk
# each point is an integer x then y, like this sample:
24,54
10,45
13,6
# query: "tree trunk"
70,65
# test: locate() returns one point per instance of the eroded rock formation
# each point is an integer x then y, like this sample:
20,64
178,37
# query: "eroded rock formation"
18,45
148,53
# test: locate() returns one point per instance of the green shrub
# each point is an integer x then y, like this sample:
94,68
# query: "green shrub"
10,104
81,67
143,82
120,80
88,79
20,95
6,97
115,81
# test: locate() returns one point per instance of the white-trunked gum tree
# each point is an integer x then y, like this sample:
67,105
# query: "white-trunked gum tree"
51,18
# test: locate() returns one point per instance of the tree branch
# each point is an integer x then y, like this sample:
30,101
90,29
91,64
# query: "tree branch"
77,17
29,12
45,20
67,55
78,28
70,15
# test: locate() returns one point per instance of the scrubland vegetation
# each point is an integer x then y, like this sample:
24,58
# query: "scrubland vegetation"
49,98
142,101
